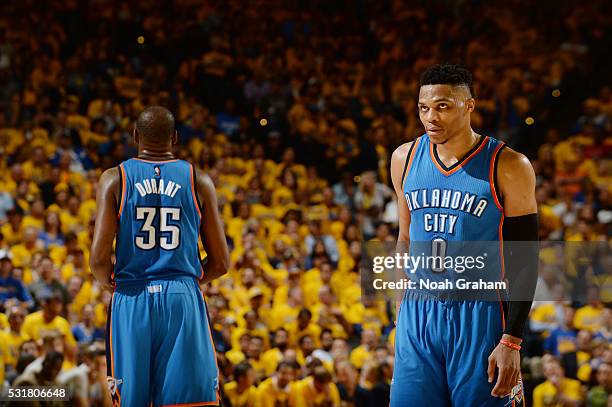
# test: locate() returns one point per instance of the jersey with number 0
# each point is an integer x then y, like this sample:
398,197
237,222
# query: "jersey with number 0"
159,221
455,211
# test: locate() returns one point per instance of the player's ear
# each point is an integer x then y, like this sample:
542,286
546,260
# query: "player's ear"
136,136
470,104
175,138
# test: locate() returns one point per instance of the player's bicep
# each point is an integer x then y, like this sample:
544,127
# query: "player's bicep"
213,236
106,215
404,219
398,173
517,184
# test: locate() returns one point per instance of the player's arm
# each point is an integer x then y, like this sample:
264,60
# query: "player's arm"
516,181
211,230
517,184
106,227
398,166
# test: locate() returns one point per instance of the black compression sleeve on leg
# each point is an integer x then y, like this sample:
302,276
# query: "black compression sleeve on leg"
521,254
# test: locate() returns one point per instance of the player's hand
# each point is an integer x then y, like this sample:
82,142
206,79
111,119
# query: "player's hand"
508,363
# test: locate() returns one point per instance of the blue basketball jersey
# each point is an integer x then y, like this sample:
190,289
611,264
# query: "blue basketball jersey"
445,336
451,205
159,221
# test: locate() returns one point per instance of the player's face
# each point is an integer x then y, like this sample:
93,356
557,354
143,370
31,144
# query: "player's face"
444,111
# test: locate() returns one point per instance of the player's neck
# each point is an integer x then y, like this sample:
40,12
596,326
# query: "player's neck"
458,146
149,154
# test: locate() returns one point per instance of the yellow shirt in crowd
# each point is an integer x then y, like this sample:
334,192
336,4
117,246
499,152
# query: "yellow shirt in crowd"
546,394
34,327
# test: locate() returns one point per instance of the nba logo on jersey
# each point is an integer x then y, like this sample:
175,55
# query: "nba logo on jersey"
157,171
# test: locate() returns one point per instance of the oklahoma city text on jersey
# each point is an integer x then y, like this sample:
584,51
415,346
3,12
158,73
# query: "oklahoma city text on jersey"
448,199
426,284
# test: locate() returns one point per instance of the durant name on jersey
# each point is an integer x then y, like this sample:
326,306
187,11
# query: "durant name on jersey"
157,186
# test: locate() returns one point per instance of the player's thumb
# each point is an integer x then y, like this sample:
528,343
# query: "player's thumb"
491,369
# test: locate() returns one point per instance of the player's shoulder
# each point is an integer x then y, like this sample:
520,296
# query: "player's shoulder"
514,172
513,162
401,152
203,179
109,174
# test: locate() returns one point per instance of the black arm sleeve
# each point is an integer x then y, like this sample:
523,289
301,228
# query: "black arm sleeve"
521,254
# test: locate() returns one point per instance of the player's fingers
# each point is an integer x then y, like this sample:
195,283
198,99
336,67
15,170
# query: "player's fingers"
511,379
491,369
502,382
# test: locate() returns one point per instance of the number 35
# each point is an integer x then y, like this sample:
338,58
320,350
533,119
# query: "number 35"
148,242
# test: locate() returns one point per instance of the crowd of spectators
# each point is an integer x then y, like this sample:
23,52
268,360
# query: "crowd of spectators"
293,109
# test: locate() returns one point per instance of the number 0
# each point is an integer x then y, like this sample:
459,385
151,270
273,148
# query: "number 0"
438,250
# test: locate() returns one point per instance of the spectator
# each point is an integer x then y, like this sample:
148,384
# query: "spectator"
240,391
11,287
276,389
48,280
86,331
563,339
317,389
52,235
598,395
370,201
557,389
317,235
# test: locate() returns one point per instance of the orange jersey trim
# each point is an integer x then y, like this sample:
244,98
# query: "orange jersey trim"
155,162
465,161
193,191
502,266
410,159
212,343
112,357
492,175
121,204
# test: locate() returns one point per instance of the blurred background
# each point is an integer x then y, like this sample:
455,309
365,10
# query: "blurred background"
293,108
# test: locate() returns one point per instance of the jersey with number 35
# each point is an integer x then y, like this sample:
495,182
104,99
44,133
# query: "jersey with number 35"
159,221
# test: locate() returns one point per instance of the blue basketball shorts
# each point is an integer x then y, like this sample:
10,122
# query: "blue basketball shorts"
159,345
441,353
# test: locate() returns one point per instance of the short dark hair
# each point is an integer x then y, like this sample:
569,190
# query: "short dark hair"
321,375
241,369
155,123
447,74
305,312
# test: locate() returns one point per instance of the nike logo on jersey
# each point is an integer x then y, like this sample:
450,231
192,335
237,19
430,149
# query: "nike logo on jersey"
446,198
157,186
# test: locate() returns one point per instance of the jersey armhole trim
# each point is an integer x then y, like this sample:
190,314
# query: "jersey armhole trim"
409,159
122,190
493,177
194,192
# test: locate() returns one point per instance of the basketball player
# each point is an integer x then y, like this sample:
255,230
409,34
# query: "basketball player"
159,344
461,352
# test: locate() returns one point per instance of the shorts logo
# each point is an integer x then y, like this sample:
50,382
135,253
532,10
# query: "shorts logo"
155,288
113,384
516,394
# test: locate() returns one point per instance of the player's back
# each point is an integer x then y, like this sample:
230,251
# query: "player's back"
159,221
